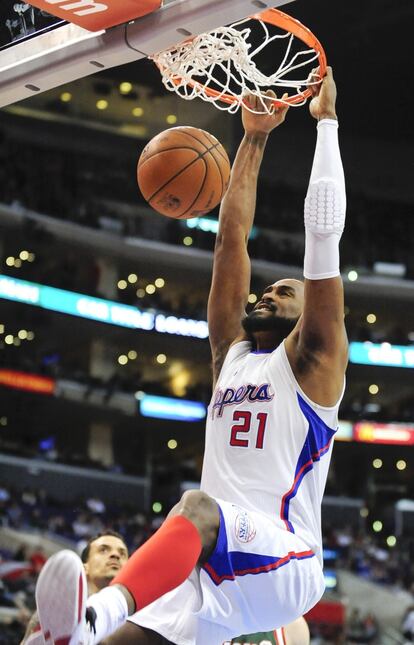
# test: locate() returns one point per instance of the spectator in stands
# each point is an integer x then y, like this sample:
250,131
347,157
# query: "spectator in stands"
103,556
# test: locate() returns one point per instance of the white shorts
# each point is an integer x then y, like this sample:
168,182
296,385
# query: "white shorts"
259,577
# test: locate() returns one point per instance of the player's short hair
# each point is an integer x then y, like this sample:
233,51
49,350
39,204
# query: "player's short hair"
86,551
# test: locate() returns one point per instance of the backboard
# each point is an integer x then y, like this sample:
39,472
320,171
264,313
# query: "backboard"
70,52
94,15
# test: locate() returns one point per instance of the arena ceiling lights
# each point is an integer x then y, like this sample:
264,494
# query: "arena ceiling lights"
115,313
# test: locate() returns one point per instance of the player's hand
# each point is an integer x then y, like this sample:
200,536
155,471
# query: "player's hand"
264,123
322,105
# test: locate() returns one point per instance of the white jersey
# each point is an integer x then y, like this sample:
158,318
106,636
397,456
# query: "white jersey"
268,446
266,462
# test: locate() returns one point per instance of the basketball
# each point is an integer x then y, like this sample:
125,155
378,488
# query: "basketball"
183,172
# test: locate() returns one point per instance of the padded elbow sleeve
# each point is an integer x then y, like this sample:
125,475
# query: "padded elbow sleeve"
325,206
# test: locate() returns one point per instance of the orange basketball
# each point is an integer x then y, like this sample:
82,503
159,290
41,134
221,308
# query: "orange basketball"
183,172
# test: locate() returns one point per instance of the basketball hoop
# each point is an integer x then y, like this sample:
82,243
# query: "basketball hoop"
221,66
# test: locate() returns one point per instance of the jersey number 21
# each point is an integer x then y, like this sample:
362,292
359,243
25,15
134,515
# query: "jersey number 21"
245,425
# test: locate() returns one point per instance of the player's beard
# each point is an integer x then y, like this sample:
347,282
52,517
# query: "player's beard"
254,323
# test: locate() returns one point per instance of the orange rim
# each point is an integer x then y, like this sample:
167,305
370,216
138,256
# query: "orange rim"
283,20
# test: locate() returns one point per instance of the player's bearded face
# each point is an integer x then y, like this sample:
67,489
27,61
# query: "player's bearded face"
268,320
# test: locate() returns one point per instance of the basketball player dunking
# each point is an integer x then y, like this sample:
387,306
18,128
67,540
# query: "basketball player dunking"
244,554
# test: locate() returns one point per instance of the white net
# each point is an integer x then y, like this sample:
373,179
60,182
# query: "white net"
225,62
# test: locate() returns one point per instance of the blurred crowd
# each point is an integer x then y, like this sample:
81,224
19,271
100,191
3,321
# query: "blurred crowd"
18,20
54,366
36,512
48,182
76,521
370,558
355,407
360,407
357,551
83,274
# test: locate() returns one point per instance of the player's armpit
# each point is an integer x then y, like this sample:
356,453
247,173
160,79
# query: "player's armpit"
219,353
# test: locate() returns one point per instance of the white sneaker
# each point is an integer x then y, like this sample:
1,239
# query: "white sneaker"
61,594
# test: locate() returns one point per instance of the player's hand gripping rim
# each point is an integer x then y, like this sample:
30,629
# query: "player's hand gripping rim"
255,119
322,105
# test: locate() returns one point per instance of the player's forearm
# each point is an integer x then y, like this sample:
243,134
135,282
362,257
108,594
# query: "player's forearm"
325,206
327,162
239,204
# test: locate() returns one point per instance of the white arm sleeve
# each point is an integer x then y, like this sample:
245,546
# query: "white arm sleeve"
325,205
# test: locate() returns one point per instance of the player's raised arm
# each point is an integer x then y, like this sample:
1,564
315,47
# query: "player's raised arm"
231,268
322,343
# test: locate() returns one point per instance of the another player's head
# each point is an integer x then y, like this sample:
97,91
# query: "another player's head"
278,310
103,557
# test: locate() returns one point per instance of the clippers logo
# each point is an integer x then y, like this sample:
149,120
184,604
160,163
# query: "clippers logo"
231,396
244,528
